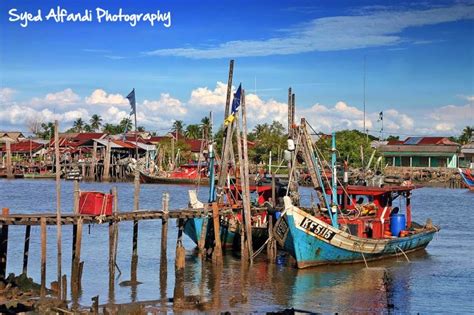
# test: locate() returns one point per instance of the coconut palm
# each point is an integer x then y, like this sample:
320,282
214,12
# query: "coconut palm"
466,135
206,126
125,125
193,132
96,122
178,126
78,125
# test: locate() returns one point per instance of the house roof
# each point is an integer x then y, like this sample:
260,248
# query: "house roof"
394,149
89,135
428,141
194,144
14,135
24,147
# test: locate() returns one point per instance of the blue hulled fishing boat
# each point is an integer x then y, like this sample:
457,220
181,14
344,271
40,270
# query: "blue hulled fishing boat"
351,223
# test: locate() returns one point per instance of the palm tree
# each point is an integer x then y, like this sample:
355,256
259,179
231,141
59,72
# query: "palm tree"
110,129
466,135
259,129
193,131
78,125
206,126
96,122
178,126
125,125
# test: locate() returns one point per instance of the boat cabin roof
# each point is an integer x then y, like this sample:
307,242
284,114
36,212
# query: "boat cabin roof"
372,191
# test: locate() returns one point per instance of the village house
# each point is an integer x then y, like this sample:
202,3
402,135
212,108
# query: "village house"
421,152
466,158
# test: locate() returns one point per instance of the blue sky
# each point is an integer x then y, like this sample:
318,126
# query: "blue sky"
419,63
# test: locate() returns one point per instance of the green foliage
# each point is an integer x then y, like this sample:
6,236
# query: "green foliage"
267,138
466,135
95,122
178,126
193,131
47,131
348,145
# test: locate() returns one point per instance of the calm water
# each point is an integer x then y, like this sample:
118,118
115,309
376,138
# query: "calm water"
438,280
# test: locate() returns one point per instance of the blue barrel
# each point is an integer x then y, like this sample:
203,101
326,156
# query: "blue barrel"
397,224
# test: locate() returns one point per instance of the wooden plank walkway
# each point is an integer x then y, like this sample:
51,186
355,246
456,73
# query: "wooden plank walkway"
72,219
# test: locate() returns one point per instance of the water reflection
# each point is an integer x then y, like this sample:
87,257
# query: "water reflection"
431,281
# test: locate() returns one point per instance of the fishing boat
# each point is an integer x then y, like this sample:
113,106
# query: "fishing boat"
467,178
231,224
378,233
351,224
38,172
190,174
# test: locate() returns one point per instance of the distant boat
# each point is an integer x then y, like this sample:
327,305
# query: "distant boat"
191,174
365,232
467,177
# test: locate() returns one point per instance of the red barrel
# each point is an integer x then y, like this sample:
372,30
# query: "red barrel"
95,203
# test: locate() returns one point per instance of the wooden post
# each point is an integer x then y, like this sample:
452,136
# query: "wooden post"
64,287
180,251
4,245
107,161
76,276
248,223
26,250
178,295
243,248
227,141
202,239
94,162
217,253
136,197
9,159
43,257
112,247
58,203
164,239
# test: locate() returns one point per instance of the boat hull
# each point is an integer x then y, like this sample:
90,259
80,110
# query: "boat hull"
467,178
149,179
229,238
312,242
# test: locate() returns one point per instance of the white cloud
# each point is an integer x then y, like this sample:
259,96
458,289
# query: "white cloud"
341,116
381,27
6,94
166,105
206,97
100,97
159,114
62,99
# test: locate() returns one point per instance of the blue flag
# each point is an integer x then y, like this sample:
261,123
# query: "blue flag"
131,99
235,106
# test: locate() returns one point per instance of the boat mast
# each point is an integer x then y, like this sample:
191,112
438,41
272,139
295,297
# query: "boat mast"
211,163
334,183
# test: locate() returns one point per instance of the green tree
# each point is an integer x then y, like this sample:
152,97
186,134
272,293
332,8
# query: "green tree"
267,138
348,145
193,132
125,125
47,131
206,126
178,126
96,122
78,125
466,135
111,129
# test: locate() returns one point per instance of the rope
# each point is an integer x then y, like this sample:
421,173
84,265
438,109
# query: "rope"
403,253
